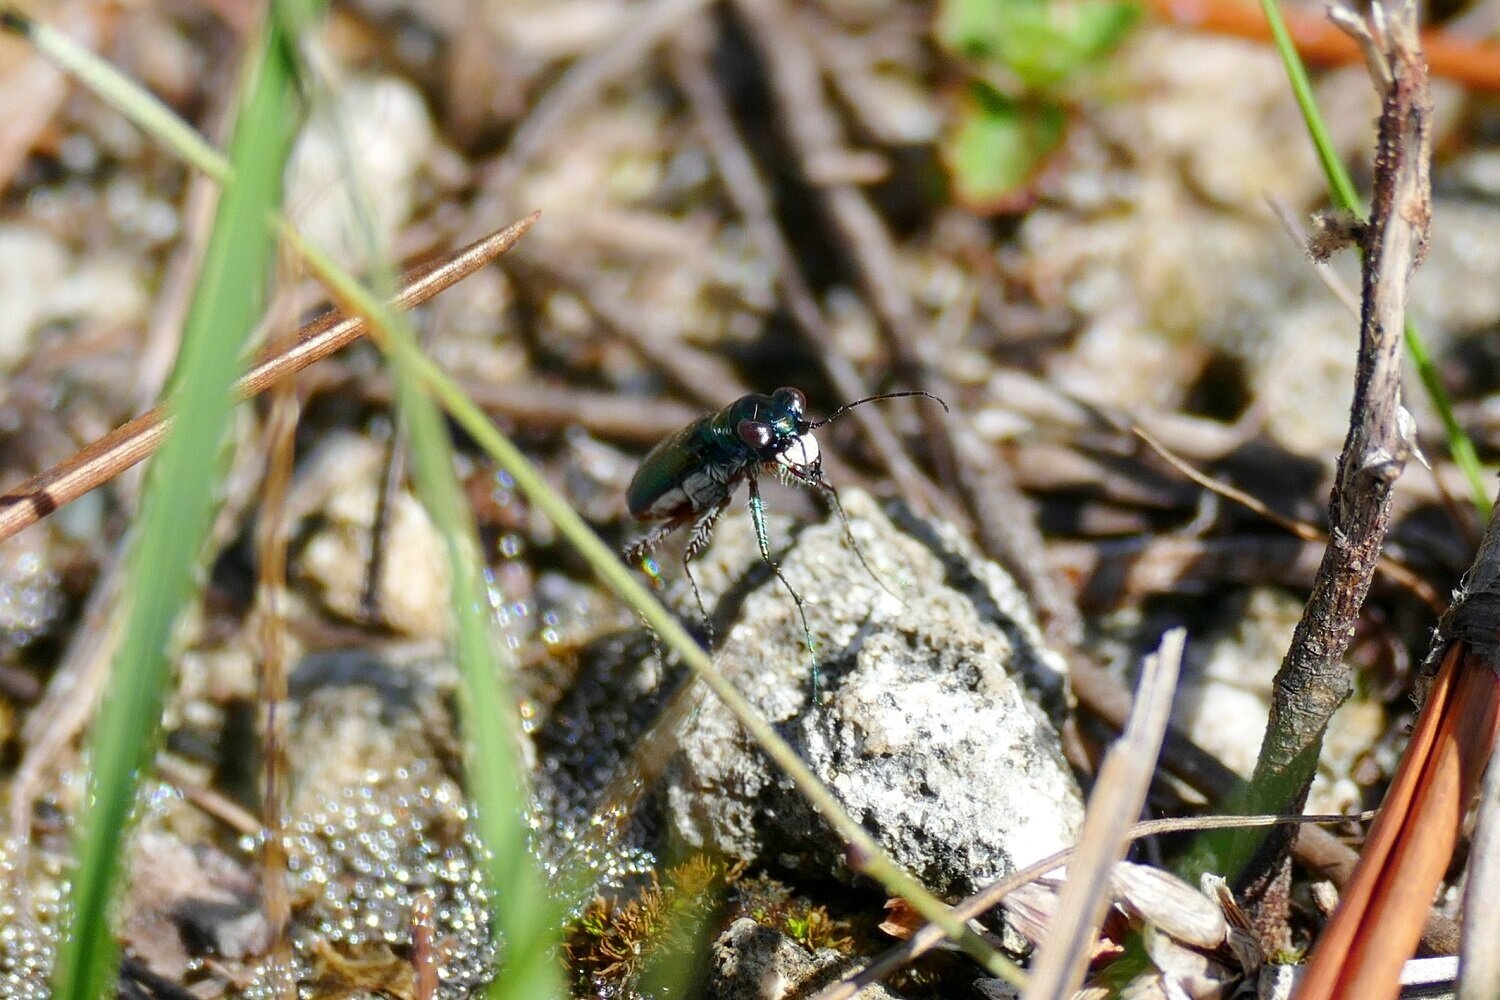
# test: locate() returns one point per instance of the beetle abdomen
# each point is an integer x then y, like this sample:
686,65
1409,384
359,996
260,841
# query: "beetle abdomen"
685,474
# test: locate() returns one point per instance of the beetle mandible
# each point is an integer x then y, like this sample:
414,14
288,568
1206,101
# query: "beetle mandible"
689,478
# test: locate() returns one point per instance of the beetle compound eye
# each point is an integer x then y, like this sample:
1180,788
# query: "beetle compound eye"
755,434
792,399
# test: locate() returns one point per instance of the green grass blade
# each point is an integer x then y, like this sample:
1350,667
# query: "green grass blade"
528,921
526,918
1344,195
123,93
1340,185
177,508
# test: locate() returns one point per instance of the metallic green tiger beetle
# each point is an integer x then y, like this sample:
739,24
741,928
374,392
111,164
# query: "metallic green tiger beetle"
689,479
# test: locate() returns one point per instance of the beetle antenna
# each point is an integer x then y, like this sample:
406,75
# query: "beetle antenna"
870,399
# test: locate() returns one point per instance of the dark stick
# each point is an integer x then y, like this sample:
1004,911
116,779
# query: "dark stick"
391,477
1005,523
747,189
1313,680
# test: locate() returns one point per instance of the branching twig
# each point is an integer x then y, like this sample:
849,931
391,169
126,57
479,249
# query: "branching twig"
1313,680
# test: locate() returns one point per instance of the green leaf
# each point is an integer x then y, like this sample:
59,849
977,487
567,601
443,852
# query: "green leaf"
1042,42
971,27
998,147
1100,26
1046,45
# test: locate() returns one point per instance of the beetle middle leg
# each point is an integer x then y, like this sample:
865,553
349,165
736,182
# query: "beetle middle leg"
762,538
698,539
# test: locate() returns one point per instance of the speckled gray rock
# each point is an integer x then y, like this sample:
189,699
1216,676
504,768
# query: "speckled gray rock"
751,962
924,733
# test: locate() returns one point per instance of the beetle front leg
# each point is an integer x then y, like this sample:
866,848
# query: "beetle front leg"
823,486
763,539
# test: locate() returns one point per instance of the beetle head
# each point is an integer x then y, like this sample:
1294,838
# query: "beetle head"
773,426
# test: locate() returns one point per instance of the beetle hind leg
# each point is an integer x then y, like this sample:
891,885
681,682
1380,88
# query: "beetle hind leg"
636,551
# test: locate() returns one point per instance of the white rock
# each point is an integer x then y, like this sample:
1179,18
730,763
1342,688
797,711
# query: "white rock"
376,133
35,266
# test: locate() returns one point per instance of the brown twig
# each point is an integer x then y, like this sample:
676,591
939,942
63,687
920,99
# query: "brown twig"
543,405
1380,917
1119,793
211,802
424,957
271,549
29,502
1314,680
1325,274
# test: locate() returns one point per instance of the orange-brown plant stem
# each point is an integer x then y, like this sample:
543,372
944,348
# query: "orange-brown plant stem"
271,548
101,461
1380,917
1470,62
424,958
